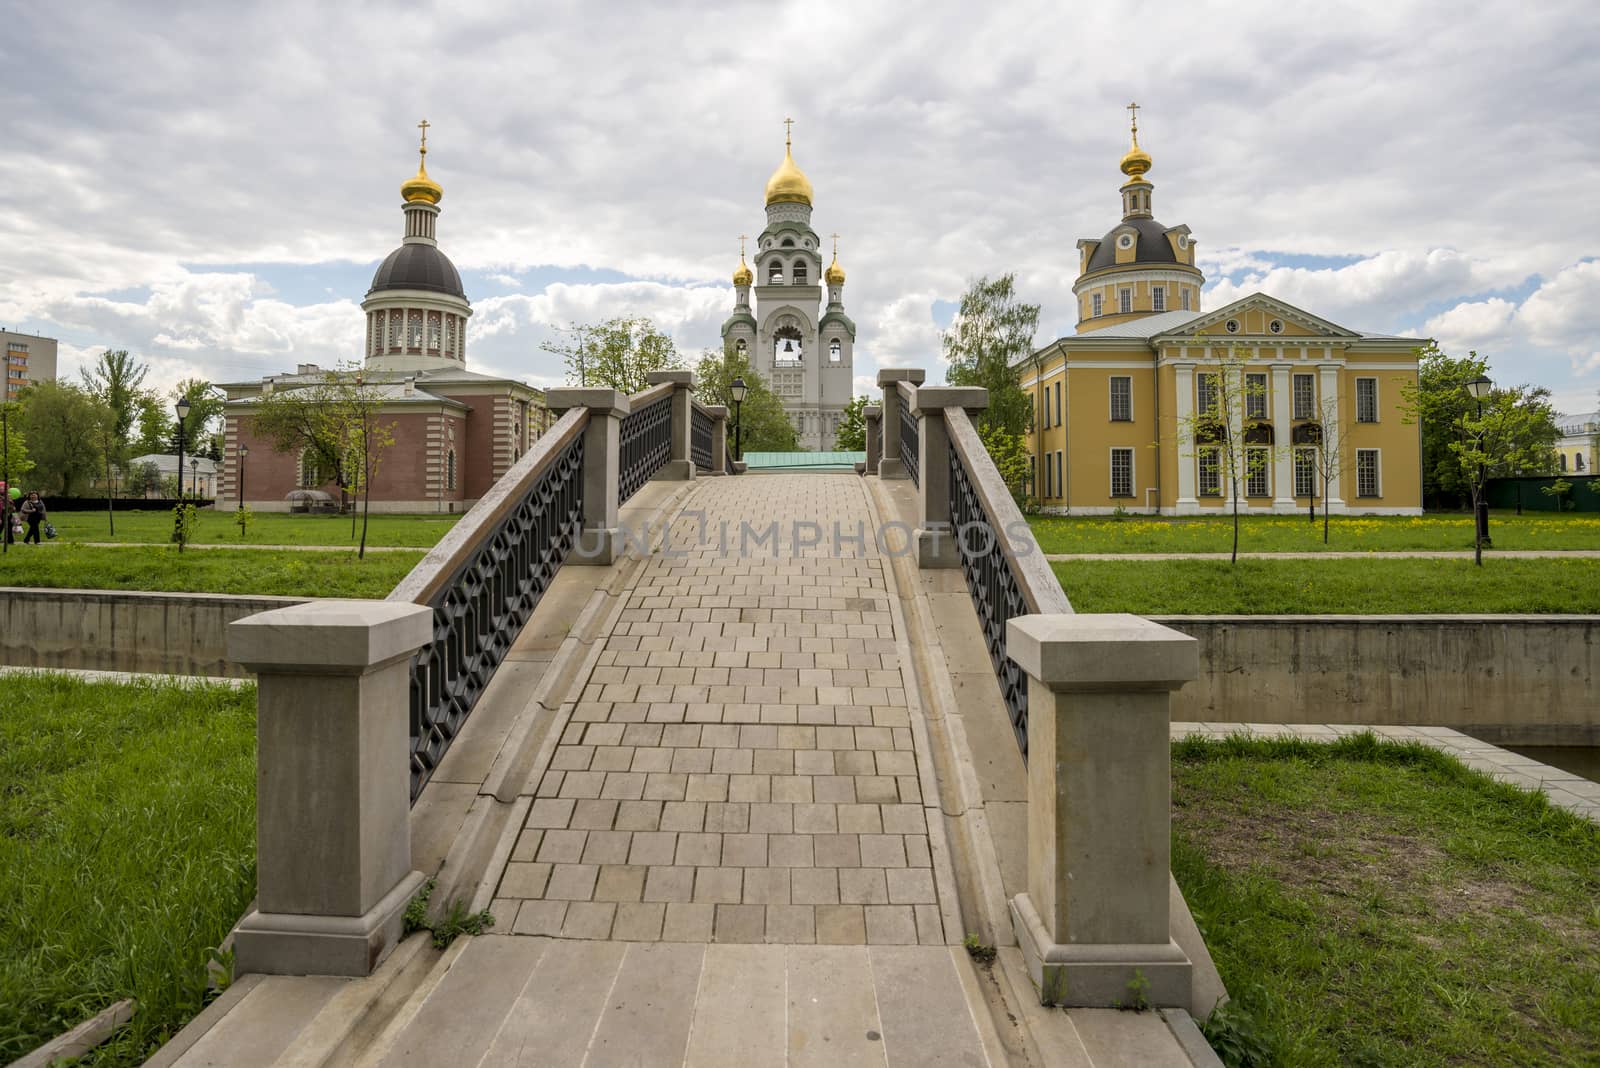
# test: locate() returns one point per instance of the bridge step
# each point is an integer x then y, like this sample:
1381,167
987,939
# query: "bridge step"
534,1001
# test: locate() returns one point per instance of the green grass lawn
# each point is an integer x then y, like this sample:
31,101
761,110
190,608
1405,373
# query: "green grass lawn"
266,528
1378,904
289,572
1342,586
127,848
1262,534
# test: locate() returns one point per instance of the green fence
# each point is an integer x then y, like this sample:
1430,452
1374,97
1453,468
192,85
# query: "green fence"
1528,493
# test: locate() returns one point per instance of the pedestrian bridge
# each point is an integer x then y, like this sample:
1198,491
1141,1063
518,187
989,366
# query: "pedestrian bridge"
738,762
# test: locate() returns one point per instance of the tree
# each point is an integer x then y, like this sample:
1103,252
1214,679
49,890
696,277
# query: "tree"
1222,440
14,462
205,406
765,426
852,433
618,353
1328,454
62,425
117,379
993,330
338,422
154,426
1010,455
143,479
1505,433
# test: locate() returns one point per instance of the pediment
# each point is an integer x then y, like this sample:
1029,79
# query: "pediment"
1297,321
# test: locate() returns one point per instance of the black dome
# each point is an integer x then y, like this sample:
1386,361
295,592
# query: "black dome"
418,267
1152,246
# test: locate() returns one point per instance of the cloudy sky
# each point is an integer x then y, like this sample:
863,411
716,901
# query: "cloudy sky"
211,185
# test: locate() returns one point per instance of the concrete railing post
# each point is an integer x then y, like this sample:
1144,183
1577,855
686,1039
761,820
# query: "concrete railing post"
681,467
1099,806
872,415
719,438
889,464
602,455
333,782
936,544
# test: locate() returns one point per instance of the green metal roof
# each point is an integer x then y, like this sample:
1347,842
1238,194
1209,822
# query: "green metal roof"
804,461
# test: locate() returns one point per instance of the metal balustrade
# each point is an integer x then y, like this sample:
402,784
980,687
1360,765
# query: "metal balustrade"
910,438
1006,572
483,581
646,440
700,437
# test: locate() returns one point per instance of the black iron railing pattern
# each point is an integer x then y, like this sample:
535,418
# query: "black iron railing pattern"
646,445
911,441
996,591
699,438
479,611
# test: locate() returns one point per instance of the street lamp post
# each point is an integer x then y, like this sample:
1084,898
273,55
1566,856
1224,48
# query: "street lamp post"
244,451
182,409
738,389
1480,388
5,477
194,480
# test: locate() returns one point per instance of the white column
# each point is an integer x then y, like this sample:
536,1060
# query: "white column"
1328,396
1283,439
1187,503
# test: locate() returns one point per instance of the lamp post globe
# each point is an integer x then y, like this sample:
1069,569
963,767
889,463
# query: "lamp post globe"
1480,388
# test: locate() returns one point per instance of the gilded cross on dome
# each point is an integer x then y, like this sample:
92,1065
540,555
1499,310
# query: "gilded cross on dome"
788,133
423,126
1133,111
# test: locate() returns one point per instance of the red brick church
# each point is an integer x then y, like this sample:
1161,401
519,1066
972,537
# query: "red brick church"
455,431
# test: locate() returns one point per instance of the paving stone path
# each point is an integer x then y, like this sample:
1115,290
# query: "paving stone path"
740,766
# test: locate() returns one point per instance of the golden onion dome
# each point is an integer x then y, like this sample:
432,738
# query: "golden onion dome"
834,275
743,276
419,187
1136,162
788,184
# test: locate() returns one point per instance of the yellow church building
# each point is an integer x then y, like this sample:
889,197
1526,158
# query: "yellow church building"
1114,402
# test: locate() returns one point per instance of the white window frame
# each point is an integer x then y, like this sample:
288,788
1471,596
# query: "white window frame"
1113,472
1254,471
1185,298
1049,478
1125,300
1058,402
1374,381
1061,482
1310,410
1255,400
1158,298
1203,381
1098,302
1310,469
1377,473
1200,455
1114,379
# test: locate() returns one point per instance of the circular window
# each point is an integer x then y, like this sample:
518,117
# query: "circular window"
1125,241
1276,326
1183,240
1231,326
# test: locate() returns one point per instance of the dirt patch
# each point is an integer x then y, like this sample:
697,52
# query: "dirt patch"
1352,857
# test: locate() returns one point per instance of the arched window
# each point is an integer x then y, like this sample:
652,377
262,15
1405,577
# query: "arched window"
414,331
310,475
786,344
775,274
450,471
742,347
835,350
1563,462
799,272
433,331
788,242
394,329
1579,464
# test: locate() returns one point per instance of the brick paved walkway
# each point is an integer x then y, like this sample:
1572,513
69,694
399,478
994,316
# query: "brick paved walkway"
740,766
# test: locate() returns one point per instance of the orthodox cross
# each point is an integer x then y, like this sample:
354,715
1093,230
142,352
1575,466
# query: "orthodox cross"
423,126
741,248
788,133
1133,111
835,245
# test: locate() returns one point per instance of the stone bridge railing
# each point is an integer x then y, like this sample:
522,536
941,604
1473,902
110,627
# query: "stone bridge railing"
338,761
1089,700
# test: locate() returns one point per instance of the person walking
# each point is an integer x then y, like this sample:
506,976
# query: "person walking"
33,513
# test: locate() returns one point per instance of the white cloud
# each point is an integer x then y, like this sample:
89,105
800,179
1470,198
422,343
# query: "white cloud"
1473,325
